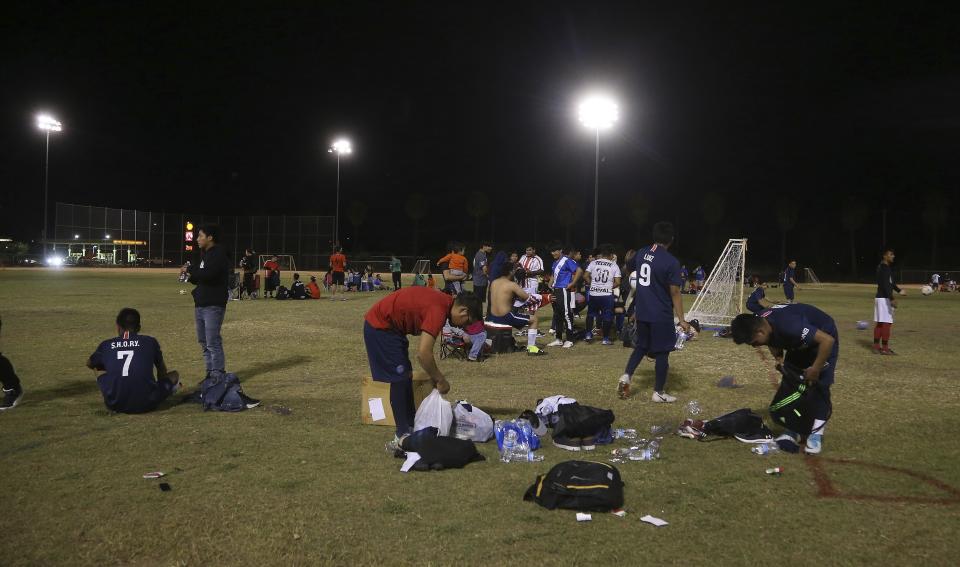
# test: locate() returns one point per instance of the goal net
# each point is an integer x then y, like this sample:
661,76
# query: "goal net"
421,267
285,260
811,279
721,298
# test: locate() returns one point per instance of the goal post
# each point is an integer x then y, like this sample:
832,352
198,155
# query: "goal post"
286,262
721,298
421,267
810,278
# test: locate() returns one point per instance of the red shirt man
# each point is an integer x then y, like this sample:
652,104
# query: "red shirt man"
411,311
338,265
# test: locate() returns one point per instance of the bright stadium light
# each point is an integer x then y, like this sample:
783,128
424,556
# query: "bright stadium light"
76,237
340,147
106,237
48,124
598,112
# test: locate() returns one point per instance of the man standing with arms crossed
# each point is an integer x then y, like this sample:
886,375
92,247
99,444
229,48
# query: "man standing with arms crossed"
338,265
210,277
566,276
657,302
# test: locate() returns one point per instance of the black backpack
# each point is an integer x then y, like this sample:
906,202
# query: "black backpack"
741,421
283,293
578,485
792,405
575,420
438,453
222,393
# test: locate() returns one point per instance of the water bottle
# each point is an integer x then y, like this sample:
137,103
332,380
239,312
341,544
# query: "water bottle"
647,452
509,443
681,338
765,449
693,409
624,433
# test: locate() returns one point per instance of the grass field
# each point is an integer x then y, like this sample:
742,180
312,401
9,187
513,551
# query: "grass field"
313,486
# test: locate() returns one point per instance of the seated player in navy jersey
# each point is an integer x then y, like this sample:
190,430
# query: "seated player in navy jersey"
804,337
757,301
128,360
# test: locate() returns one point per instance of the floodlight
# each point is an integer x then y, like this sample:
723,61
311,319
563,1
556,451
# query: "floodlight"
48,123
54,261
107,236
598,112
342,146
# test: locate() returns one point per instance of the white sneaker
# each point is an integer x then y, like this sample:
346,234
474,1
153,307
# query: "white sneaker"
663,398
553,331
556,342
568,344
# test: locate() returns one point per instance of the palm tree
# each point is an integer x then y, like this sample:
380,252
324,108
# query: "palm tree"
935,217
478,205
853,215
786,220
356,214
638,209
568,213
416,209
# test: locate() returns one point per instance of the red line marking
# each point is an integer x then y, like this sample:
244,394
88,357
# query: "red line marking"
826,488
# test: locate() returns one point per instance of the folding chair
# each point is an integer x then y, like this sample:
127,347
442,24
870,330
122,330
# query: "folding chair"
452,345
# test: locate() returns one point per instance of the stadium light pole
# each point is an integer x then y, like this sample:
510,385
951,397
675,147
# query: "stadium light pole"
339,147
598,113
48,124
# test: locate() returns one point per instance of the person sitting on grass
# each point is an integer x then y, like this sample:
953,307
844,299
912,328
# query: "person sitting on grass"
507,298
127,360
297,289
806,338
456,271
758,301
419,312
313,290
12,390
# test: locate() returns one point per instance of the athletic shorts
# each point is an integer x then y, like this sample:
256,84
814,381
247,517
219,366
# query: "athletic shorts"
788,291
511,319
601,307
655,338
337,278
388,354
882,310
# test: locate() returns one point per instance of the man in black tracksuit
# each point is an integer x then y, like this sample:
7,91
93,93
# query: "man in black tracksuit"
210,276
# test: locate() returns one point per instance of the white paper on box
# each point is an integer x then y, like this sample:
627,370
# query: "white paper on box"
376,409
655,521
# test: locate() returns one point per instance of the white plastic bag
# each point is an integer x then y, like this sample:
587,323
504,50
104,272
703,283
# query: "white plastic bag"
473,423
434,411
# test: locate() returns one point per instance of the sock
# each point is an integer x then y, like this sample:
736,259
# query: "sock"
819,425
401,402
662,365
877,332
625,378
531,337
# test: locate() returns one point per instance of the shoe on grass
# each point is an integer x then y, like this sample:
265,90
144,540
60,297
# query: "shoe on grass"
588,337
568,344
248,401
588,444
623,387
556,342
606,342
888,352
11,398
814,444
789,442
567,443
663,398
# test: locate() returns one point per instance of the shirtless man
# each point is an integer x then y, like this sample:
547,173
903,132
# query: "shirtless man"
506,298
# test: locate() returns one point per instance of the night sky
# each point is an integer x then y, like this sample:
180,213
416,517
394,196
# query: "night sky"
735,117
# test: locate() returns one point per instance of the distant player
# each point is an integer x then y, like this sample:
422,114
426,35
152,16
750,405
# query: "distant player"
684,276
128,384
699,276
248,265
658,301
566,276
12,390
804,337
507,299
884,304
481,270
935,282
533,268
790,280
338,267
271,273
602,278
395,272
416,311
757,302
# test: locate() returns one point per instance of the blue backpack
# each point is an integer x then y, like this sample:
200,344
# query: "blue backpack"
222,393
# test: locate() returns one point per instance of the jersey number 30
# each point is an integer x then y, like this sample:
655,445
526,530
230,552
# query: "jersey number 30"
127,357
643,275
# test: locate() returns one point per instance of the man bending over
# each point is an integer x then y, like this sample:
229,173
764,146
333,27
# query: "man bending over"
506,297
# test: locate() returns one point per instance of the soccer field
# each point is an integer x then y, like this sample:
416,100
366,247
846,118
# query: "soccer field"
313,486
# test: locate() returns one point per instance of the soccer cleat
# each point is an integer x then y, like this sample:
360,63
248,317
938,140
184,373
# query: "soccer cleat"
588,337
567,344
248,401
814,444
888,352
606,342
535,351
756,437
663,398
692,429
556,342
588,444
11,398
567,443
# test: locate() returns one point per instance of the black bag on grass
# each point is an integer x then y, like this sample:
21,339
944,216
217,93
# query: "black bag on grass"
575,420
792,406
438,453
578,485
741,423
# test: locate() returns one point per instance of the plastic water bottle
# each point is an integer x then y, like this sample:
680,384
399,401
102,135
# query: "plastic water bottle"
693,409
624,433
681,338
647,452
509,445
765,449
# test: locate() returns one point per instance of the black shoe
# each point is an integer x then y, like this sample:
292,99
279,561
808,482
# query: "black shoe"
588,444
248,401
11,398
567,443
755,437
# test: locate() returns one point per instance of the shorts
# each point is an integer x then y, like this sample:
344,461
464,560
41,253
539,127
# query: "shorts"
656,337
882,310
337,278
788,291
388,354
512,319
601,307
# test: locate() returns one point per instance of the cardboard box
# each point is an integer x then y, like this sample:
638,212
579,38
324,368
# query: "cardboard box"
375,398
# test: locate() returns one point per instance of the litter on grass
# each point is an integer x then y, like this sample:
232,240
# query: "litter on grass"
653,520
152,475
581,517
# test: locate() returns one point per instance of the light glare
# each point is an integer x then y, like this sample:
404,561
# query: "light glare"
599,112
48,123
342,147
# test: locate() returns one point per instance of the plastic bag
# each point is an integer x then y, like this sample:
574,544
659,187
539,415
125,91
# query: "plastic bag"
472,422
434,412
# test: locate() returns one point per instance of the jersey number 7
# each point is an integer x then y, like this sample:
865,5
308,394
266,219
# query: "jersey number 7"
127,357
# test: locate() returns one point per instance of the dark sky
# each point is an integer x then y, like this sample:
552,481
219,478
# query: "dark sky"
754,108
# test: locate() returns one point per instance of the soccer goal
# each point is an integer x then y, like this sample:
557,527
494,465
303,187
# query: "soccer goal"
721,298
285,260
421,267
810,279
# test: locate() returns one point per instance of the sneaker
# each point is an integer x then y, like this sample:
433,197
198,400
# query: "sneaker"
11,398
692,429
588,444
623,387
756,437
535,351
606,342
567,344
814,444
248,401
888,352
540,334
788,442
567,443
663,398
553,331
556,342
588,337
876,350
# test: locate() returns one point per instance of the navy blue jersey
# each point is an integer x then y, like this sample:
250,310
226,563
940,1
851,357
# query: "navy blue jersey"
700,275
564,269
794,327
789,274
684,273
657,270
128,384
753,302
